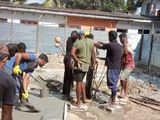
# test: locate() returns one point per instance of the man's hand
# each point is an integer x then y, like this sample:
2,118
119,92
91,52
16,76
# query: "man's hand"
16,70
79,65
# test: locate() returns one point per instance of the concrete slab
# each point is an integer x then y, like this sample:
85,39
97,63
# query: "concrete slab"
51,108
114,109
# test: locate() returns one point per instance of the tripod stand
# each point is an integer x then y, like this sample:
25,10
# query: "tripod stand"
102,76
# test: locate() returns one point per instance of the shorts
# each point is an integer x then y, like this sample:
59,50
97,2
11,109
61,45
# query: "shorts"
78,75
112,78
125,73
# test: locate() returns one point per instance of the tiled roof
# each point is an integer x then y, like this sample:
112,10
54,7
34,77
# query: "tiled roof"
78,12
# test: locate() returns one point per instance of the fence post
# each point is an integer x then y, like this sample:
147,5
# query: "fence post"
151,46
11,29
37,33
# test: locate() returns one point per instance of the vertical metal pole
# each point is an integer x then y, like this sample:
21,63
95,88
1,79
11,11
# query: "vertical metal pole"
151,46
141,46
65,31
37,33
11,29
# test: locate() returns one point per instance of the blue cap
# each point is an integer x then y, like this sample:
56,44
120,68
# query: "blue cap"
80,32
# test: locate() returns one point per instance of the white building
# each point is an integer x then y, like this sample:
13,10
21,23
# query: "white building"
150,7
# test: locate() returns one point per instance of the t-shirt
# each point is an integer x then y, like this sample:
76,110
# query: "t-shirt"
7,88
84,49
68,61
128,59
23,64
114,54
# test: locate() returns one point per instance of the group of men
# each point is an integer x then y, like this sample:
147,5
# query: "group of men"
16,63
80,60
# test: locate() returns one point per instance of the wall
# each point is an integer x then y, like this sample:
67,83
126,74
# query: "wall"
32,17
156,51
90,22
133,25
156,2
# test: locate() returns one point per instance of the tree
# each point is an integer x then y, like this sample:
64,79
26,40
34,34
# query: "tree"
131,4
104,5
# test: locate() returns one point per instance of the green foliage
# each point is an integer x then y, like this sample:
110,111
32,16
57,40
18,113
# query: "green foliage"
104,5
131,5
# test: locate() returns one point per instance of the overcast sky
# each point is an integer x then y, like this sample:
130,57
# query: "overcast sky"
35,1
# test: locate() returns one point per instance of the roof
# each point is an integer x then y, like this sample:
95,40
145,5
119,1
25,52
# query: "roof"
79,13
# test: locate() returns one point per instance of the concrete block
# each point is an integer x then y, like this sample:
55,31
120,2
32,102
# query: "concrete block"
114,109
111,109
44,92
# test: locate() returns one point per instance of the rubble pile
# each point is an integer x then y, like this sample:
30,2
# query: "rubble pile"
138,87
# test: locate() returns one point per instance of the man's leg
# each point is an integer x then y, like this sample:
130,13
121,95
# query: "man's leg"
25,94
65,81
7,112
89,83
122,93
78,91
83,92
126,88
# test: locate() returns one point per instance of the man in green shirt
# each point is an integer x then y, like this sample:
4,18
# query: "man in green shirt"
82,51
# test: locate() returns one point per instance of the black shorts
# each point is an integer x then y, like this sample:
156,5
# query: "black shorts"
78,75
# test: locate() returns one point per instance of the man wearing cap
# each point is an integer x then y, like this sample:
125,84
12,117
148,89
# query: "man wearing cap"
81,53
26,63
7,86
92,66
68,73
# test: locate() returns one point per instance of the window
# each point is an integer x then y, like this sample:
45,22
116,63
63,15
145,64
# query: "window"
122,30
3,19
100,28
74,26
61,25
148,7
140,31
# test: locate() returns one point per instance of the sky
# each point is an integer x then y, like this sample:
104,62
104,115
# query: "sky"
35,1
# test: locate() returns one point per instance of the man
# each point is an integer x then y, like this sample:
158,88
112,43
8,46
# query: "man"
128,64
68,73
90,71
7,86
26,63
81,53
113,63
21,47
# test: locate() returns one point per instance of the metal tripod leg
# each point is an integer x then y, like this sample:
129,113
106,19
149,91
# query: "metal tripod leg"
100,81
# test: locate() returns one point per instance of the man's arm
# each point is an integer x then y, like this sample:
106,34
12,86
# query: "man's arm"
20,56
93,56
100,45
73,54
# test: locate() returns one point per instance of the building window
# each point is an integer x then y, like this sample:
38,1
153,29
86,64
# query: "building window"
99,28
157,31
122,30
61,25
74,26
140,31
148,7
3,20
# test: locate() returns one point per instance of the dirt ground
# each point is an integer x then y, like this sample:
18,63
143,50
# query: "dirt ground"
131,111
